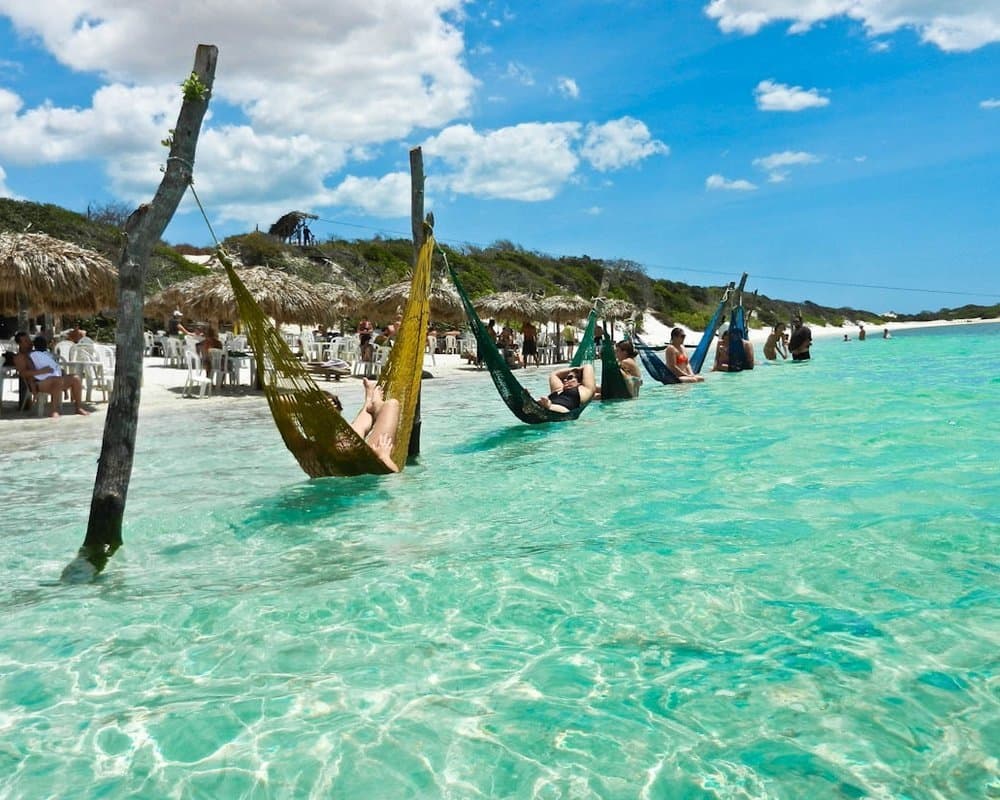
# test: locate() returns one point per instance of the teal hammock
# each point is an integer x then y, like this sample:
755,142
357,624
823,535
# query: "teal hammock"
516,397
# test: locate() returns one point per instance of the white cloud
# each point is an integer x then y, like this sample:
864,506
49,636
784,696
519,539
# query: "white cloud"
777,164
593,211
619,143
567,88
388,196
520,73
533,161
527,162
773,96
340,71
120,121
304,90
720,183
951,25
990,103
786,158
5,190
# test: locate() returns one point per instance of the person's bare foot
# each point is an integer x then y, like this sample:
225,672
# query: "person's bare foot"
378,400
370,387
83,412
54,415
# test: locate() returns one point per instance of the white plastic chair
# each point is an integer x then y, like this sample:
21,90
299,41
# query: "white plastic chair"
194,376
63,348
451,343
106,355
172,353
85,362
432,342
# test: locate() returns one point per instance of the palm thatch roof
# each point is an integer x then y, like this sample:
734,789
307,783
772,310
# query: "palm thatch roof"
565,306
508,306
281,296
446,305
42,273
614,308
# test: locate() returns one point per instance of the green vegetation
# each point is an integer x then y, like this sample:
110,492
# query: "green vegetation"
502,266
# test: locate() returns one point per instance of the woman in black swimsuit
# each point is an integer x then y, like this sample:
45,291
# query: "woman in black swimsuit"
571,387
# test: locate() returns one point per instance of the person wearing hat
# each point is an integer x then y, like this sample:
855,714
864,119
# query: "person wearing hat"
174,327
676,359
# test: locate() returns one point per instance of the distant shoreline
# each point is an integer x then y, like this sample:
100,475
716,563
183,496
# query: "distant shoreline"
657,334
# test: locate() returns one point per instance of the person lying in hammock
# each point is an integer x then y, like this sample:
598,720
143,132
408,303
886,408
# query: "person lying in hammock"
377,422
571,387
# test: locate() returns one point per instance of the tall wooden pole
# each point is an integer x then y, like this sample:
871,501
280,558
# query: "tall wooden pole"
143,230
417,226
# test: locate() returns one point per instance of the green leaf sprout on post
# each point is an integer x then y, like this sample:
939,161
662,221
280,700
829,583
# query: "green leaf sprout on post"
194,89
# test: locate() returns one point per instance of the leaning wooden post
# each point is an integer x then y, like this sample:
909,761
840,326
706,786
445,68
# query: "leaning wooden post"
417,225
143,230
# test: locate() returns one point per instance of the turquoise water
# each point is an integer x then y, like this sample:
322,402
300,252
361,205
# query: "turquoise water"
779,584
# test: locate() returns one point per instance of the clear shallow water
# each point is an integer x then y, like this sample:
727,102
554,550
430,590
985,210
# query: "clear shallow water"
780,584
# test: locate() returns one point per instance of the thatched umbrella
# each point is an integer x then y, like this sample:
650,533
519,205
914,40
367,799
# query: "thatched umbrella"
614,309
281,296
41,273
563,306
508,306
446,305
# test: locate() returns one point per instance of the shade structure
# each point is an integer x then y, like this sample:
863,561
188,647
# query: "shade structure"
564,306
283,297
344,299
446,305
508,306
41,273
615,309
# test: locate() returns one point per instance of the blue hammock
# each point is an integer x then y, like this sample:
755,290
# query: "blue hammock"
698,356
654,365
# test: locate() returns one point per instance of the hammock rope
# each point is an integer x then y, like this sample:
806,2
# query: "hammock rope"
521,403
313,429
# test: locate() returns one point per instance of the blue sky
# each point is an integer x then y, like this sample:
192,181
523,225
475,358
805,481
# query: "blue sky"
827,148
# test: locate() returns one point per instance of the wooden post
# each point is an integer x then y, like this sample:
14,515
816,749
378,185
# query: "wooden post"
417,226
143,230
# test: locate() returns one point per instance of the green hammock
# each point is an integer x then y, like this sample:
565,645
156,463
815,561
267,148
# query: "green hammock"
587,351
525,407
613,383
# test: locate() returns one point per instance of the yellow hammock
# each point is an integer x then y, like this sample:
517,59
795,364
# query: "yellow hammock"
322,441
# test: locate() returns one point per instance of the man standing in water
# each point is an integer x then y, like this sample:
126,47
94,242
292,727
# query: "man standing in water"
801,340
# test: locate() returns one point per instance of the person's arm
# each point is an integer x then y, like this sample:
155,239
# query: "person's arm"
25,368
588,386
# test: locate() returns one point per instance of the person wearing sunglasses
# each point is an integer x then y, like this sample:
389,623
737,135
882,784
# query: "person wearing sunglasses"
569,388
676,359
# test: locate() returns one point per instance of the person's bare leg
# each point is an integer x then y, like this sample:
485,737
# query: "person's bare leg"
365,419
383,432
54,388
76,394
